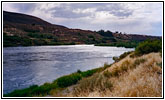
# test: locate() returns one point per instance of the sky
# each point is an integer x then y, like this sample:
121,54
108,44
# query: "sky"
131,18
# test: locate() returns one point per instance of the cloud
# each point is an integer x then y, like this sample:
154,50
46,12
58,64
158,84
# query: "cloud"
138,18
19,7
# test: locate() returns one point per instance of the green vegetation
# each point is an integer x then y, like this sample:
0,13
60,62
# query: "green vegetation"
16,41
107,73
41,35
131,44
105,33
148,46
111,74
32,39
68,80
109,40
116,59
159,64
139,61
57,84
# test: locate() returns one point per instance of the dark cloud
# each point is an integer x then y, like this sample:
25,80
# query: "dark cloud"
121,13
117,9
66,10
66,13
24,7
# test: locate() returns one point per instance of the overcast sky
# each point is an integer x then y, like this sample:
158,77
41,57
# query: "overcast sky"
132,18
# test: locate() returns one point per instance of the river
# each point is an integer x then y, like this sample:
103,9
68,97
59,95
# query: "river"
26,66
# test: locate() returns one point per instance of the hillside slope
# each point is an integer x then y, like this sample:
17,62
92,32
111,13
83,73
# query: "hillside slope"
26,30
130,77
22,19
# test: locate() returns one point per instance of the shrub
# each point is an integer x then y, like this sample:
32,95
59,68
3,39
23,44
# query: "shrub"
106,66
124,65
124,55
116,59
148,46
78,71
115,72
68,80
107,74
138,62
88,73
159,64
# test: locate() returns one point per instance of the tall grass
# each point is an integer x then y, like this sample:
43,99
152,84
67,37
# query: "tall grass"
129,77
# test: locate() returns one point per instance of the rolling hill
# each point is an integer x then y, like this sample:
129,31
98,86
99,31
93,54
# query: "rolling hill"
26,30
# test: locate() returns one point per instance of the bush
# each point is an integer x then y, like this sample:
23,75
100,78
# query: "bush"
107,74
68,80
116,59
78,71
139,61
148,46
88,73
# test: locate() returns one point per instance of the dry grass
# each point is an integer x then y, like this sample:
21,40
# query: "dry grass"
130,77
95,83
144,80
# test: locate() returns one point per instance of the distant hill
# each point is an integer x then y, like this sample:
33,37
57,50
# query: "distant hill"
26,30
22,19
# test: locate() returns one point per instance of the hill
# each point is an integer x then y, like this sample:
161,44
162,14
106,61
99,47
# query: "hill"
22,19
26,30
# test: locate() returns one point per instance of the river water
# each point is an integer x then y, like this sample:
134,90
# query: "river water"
26,66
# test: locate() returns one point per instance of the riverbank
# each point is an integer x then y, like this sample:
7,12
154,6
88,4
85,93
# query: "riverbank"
58,84
130,77
131,44
133,74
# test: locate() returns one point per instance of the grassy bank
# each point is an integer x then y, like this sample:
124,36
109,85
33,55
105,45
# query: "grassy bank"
130,77
57,84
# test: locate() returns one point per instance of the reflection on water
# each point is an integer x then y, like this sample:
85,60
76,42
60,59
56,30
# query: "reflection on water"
25,66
